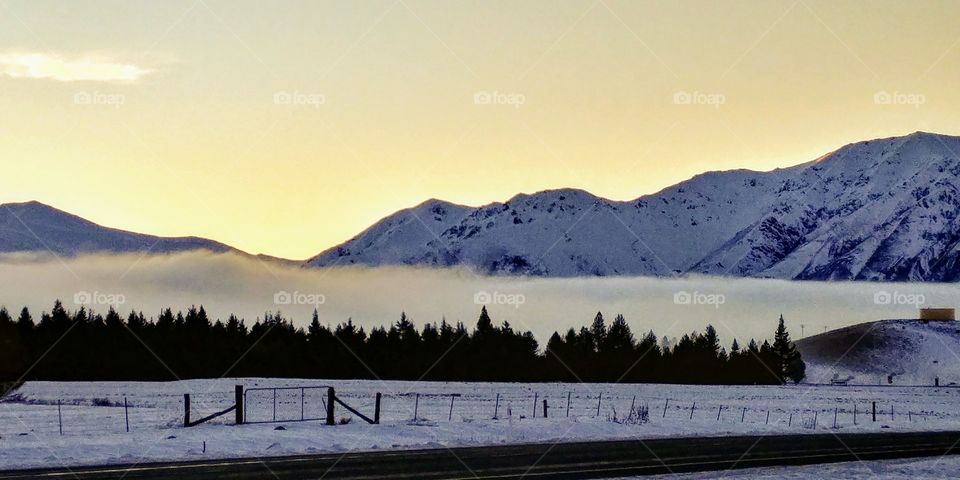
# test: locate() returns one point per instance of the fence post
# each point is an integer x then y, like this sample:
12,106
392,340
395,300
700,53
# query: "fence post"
692,408
376,410
274,404
496,407
186,409
126,414
790,421
331,398
874,411
599,399
816,414
450,415
632,402
767,422
302,395
718,412
59,417
854,413
544,408
416,408
743,414
835,411
535,396
665,404
568,404
238,400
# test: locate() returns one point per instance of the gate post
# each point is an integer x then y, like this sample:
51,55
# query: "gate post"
238,393
331,397
186,409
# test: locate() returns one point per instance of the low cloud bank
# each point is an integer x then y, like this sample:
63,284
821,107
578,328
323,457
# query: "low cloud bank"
230,283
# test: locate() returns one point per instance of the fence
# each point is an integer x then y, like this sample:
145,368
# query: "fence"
236,407
241,403
48,409
452,406
306,403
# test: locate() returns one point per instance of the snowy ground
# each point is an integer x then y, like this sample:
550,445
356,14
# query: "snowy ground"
30,432
907,469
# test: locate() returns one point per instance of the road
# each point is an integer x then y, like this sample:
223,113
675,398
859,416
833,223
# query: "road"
562,461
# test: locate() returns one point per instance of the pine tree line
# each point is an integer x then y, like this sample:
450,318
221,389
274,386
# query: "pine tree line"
82,346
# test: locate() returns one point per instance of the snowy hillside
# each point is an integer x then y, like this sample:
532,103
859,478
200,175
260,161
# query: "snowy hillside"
914,352
33,226
874,210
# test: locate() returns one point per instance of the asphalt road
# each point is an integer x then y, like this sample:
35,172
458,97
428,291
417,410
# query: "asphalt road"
563,461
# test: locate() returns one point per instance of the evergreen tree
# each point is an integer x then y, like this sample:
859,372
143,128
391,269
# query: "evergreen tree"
25,322
598,331
195,346
484,323
619,338
790,364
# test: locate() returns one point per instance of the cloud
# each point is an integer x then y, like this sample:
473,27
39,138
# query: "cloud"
228,283
55,67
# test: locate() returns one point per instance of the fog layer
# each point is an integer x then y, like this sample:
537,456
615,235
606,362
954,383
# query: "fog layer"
248,287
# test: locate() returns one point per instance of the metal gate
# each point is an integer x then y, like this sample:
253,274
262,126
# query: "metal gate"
285,404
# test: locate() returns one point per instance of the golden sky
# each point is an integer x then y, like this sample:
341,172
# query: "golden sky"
287,128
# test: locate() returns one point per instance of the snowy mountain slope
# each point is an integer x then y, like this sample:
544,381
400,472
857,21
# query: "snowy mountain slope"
384,242
875,210
35,227
912,351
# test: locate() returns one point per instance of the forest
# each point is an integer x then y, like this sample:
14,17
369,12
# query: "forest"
64,345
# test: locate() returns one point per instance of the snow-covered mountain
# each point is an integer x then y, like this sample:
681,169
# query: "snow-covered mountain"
912,351
875,210
35,227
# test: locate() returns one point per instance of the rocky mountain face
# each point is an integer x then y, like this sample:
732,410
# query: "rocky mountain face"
875,210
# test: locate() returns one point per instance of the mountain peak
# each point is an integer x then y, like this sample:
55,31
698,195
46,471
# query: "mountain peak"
33,226
30,205
557,194
875,210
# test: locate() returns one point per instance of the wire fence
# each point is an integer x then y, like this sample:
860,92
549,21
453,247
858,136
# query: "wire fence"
754,409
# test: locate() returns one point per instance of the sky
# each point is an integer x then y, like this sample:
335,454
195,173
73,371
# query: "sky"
288,128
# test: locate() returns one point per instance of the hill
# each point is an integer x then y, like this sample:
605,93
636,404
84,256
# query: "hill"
35,227
913,351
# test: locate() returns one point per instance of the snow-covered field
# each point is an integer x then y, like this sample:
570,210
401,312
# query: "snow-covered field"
94,430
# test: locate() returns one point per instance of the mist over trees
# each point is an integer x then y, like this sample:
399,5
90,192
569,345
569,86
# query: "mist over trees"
62,345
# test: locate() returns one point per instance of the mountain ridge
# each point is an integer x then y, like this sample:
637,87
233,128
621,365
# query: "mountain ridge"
876,209
35,226
881,209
